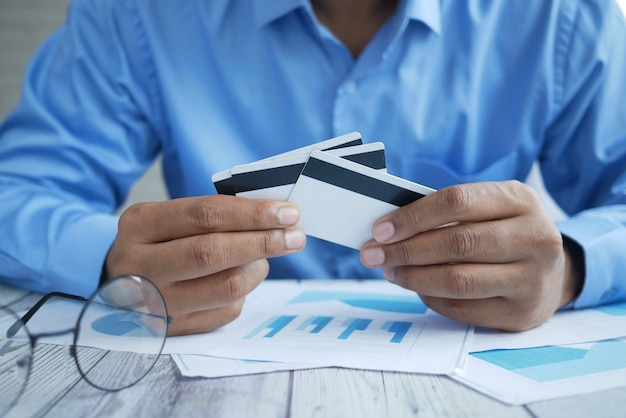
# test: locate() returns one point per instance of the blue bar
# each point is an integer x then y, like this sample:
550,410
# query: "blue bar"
319,321
276,324
400,328
357,324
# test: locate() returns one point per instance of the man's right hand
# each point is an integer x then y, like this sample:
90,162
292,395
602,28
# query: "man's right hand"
204,253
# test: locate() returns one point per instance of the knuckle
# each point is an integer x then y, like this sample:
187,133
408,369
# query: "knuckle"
403,253
205,213
456,309
206,254
129,218
411,216
258,214
464,243
548,240
269,243
553,242
234,288
524,191
523,194
463,283
452,308
233,311
456,198
242,279
525,317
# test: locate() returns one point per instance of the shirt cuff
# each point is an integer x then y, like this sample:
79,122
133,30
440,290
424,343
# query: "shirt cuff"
76,259
602,242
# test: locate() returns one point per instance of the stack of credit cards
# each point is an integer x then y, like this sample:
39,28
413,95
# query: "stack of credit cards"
340,185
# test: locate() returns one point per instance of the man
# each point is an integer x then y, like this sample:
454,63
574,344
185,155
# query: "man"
466,96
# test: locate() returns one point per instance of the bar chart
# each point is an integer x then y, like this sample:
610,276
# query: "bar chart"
363,324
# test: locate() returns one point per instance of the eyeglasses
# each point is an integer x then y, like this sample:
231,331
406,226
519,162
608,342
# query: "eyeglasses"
118,337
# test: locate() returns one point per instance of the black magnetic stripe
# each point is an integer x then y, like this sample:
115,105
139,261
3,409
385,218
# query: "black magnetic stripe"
274,177
225,186
270,177
359,183
372,159
346,144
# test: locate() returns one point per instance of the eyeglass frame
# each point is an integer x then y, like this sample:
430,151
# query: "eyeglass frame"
33,338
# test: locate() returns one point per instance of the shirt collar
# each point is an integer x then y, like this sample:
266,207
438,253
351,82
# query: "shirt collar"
266,11
426,11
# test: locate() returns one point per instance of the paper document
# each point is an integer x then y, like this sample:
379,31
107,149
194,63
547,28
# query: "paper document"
191,365
532,374
565,327
358,324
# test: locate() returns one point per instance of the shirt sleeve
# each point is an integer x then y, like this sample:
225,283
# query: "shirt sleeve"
72,148
584,161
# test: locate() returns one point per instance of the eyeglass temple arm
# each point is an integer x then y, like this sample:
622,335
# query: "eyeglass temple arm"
13,329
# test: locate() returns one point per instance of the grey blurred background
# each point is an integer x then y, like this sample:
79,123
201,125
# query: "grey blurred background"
25,24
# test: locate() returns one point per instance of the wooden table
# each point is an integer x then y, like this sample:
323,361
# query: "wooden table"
55,389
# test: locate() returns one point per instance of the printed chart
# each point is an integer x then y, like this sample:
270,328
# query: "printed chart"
371,325
551,364
526,375
370,328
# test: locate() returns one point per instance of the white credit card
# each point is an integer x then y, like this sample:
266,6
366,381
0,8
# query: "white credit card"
275,178
340,200
223,179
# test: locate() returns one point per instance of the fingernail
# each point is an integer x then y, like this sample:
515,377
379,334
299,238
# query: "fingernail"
294,239
373,256
383,231
287,215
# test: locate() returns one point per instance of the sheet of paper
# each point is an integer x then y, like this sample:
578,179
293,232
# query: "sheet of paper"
533,374
565,327
191,365
358,324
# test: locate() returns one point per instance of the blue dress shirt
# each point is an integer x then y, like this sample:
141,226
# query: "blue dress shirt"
459,91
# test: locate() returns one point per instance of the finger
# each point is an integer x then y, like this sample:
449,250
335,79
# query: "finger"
205,321
499,313
461,203
203,255
215,291
466,281
486,242
163,221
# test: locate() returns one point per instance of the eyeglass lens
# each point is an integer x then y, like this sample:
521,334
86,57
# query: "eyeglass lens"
127,317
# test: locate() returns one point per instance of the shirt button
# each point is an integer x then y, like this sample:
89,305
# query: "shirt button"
349,87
